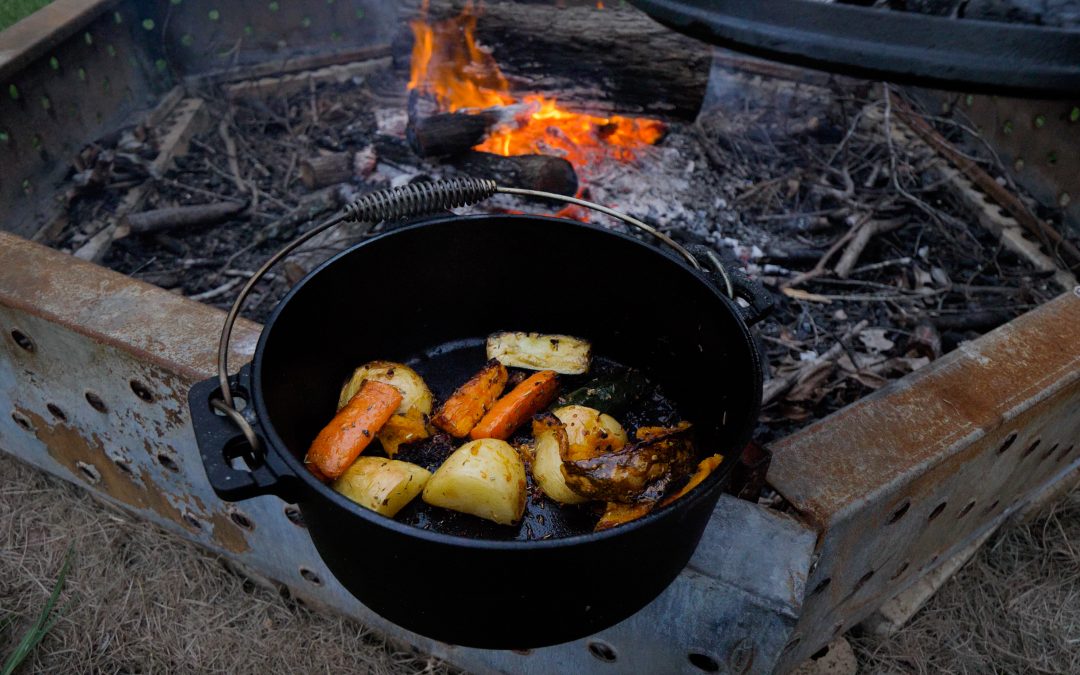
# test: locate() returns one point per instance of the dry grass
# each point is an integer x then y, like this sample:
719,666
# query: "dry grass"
1014,608
146,601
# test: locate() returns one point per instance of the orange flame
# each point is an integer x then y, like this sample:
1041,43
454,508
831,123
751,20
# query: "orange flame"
448,64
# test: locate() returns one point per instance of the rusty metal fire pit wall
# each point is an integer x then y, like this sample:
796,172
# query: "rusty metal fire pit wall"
79,69
900,481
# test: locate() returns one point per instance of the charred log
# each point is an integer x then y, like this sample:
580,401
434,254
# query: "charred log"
325,170
537,172
177,217
448,133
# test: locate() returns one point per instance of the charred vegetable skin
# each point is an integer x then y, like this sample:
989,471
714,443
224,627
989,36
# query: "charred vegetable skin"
353,428
637,472
564,354
468,405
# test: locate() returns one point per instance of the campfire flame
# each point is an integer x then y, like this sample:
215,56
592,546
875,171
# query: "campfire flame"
448,65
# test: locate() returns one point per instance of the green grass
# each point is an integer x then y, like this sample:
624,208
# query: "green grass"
44,623
13,10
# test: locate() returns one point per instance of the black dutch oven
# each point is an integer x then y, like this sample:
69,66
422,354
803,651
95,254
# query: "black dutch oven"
427,294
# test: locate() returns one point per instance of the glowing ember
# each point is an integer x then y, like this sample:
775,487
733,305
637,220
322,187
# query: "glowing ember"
448,65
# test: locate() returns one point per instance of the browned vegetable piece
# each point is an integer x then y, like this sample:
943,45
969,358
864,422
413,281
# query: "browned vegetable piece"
704,468
472,400
401,429
354,427
617,514
646,433
636,472
512,410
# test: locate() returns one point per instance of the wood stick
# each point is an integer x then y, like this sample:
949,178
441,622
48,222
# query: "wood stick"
858,243
777,386
171,218
325,170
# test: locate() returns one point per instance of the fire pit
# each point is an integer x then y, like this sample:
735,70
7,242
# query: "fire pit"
181,143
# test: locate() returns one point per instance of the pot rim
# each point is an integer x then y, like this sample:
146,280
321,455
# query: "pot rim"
278,447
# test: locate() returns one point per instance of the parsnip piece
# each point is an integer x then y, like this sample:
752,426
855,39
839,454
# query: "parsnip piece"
484,478
382,485
547,460
564,354
415,395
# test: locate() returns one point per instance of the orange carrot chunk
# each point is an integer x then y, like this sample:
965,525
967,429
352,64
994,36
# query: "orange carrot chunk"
472,400
517,407
339,443
704,468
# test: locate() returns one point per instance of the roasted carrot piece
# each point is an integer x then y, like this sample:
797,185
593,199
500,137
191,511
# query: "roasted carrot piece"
514,409
617,514
472,400
315,471
704,468
339,443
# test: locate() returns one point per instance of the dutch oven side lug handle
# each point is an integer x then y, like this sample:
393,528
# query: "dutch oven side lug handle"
222,442
735,283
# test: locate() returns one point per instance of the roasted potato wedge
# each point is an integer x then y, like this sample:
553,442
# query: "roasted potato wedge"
484,478
590,432
564,354
551,442
415,395
382,485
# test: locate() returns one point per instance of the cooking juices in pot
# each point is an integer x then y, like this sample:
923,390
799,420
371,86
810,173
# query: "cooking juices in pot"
585,442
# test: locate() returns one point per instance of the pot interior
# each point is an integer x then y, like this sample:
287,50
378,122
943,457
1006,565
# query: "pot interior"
428,294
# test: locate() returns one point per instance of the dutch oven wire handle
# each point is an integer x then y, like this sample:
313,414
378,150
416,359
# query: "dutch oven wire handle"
419,199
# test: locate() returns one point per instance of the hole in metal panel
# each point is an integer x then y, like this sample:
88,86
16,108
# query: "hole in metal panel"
1009,440
820,654
966,510
603,651
1046,455
142,391
96,402
993,506
822,585
937,511
241,520
22,420
862,580
794,642
191,520
123,465
900,570
899,512
703,662
168,462
310,576
22,340
56,411
89,472
1031,448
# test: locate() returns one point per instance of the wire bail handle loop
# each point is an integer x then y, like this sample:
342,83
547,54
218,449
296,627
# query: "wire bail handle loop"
415,199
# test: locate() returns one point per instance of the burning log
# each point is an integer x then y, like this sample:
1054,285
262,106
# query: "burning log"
586,56
171,218
537,172
325,170
449,133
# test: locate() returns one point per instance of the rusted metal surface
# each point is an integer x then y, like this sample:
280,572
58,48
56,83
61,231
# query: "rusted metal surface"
903,479
94,372
72,73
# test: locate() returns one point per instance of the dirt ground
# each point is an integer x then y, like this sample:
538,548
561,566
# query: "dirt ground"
142,600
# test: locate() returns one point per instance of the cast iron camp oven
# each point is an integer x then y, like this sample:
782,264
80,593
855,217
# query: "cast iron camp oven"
427,294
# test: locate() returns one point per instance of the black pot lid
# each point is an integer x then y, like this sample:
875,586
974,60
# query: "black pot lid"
939,51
